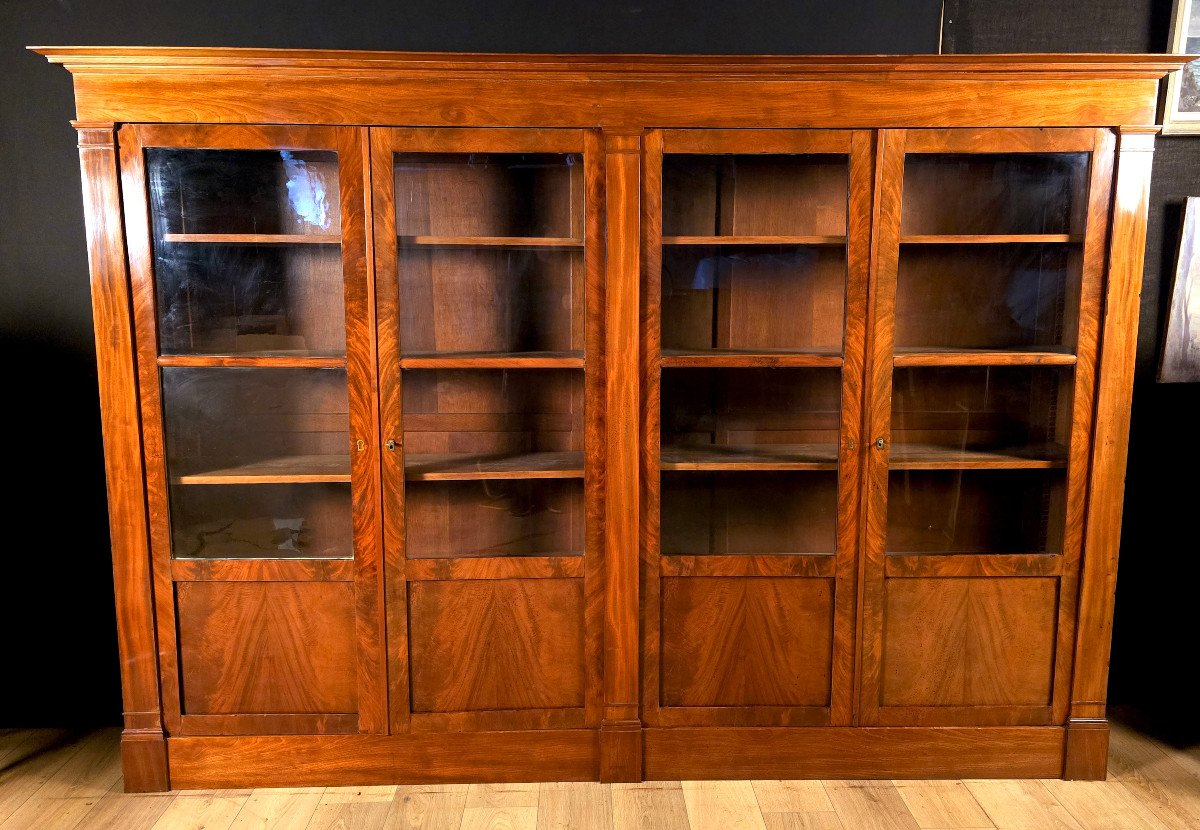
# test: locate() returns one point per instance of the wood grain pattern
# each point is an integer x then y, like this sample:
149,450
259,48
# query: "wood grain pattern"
1008,564
124,473
877,397
854,752
746,642
980,642
622,204
383,88
354,176
267,648
262,570
982,357
1111,439
319,760
137,222
496,644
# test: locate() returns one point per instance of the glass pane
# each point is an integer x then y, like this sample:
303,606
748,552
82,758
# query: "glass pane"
1017,193
258,461
490,254
262,521
490,300
975,511
1013,297
753,416
493,462
489,194
729,297
748,513
499,517
755,195
246,253
980,414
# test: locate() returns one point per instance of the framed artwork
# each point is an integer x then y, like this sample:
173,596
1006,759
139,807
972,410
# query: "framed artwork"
1181,109
1181,347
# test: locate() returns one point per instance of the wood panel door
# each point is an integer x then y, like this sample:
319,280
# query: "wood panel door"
488,277
990,249
247,250
754,301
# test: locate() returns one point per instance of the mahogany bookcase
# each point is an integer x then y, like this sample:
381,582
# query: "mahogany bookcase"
507,418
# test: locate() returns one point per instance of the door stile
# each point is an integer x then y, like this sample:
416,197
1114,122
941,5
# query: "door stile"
885,238
850,470
651,331
390,386
596,423
361,366
1095,249
141,275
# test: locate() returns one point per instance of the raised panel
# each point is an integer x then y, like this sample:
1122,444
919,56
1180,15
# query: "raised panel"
267,647
969,642
496,644
746,641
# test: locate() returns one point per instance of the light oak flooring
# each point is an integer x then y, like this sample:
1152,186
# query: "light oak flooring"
54,780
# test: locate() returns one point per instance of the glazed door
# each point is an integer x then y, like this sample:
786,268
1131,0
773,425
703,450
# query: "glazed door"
986,301
488,280
247,257
754,299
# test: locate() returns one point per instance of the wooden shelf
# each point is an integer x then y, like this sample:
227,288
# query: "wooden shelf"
266,361
989,238
255,238
493,360
734,358
762,457
481,467
934,457
982,357
292,469
754,240
491,241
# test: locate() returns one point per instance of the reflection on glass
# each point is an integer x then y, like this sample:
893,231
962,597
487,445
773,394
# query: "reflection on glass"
243,191
498,517
236,270
754,195
762,413
258,461
1016,193
975,511
473,416
748,513
262,521
753,298
988,296
1020,410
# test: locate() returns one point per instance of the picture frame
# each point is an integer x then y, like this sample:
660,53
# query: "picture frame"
1181,106
1181,343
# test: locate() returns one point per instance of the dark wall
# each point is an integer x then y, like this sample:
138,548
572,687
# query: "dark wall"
56,590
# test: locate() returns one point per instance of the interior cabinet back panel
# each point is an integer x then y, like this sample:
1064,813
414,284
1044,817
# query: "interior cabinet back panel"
267,648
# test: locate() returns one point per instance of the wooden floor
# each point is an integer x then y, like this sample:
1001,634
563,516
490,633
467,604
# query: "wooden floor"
52,779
